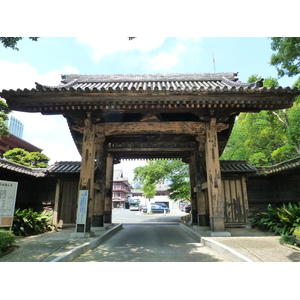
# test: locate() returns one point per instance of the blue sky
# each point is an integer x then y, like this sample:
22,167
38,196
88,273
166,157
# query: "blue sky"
45,60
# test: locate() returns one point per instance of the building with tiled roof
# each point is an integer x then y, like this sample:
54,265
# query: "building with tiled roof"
121,190
10,142
40,188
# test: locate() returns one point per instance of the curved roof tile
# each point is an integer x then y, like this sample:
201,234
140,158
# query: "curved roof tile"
181,82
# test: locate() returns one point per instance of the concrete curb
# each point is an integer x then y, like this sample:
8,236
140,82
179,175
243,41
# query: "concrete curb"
224,250
75,252
191,232
216,246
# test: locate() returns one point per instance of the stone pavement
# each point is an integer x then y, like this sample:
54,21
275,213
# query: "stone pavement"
244,245
57,246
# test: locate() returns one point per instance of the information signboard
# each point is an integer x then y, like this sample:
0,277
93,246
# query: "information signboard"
8,193
82,207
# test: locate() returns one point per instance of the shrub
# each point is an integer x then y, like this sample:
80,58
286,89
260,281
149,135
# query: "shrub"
287,239
7,240
267,220
297,233
282,220
27,222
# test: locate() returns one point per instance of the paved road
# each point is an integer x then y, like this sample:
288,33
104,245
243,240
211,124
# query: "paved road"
126,216
151,243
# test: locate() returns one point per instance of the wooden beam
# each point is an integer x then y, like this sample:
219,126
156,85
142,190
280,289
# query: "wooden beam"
188,128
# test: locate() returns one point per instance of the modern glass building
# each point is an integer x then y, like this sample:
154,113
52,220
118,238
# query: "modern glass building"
15,126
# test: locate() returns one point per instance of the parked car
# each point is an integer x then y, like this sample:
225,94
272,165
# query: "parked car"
187,208
156,209
134,207
182,206
161,204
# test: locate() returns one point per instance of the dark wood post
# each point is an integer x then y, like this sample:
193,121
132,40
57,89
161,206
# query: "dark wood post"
108,189
216,203
86,182
100,178
193,189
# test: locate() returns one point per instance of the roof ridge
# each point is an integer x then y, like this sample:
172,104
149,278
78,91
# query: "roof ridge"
68,78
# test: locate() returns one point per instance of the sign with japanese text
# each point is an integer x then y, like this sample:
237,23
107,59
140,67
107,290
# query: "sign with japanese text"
82,206
8,193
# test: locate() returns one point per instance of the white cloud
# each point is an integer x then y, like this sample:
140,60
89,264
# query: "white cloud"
36,122
50,133
166,60
23,75
112,45
70,70
14,76
58,151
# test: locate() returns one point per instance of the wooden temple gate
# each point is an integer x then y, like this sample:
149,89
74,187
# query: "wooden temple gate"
183,116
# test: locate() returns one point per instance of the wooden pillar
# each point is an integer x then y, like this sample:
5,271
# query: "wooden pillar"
193,189
202,198
108,189
86,182
201,182
100,178
56,202
216,203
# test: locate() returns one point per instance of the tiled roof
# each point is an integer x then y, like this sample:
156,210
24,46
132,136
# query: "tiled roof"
227,166
149,91
141,82
287,165
189,82
65,167
36,172
236,166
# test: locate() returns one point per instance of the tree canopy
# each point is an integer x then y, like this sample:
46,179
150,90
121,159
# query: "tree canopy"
11,42
4,111
175,171
286,58
148,188
29,159
267,137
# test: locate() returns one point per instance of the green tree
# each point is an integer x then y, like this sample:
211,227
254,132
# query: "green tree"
175,171
29,159
148,188
287,56
11,42
4,111
266,137
155,171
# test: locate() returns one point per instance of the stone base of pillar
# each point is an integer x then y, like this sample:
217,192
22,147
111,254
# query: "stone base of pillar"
107,217
194,219
203,220
217,223
82,234
220,234
98,221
